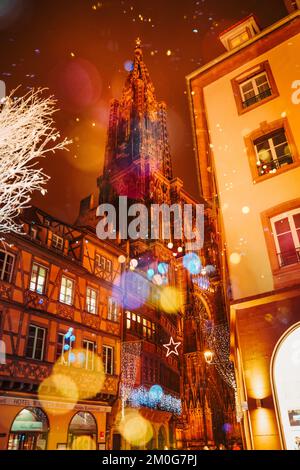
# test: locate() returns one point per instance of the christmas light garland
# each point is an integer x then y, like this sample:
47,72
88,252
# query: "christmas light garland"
140,397
218,340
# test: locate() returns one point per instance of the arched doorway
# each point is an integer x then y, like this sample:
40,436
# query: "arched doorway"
29,430
82,432
162,438
285,374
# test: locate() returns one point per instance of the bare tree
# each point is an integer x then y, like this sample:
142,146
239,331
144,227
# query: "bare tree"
27,133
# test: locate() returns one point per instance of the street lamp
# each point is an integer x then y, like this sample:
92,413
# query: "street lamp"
208,356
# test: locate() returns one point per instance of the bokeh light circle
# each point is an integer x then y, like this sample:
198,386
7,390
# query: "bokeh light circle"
170,300
135,429
136,289
156,393
192,263
235,258
83,443
88,382
58,386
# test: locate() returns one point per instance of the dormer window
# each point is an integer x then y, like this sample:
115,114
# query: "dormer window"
239,39
240,33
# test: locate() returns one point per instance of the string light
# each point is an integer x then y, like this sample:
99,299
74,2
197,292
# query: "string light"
140,397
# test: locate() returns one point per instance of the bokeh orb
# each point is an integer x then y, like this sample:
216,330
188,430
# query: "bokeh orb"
136,289
58,386
135,429
84,443
156,393
235,258
170,300
78,84
163,268
128,66
192,263
87,372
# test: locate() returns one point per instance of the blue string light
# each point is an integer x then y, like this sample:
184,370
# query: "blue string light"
142,397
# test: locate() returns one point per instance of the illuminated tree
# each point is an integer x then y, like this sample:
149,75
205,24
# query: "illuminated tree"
27,133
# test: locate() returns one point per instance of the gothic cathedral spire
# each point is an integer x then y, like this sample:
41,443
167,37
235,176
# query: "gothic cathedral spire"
137,144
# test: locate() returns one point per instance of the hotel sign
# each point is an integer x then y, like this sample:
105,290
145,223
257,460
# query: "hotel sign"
25,402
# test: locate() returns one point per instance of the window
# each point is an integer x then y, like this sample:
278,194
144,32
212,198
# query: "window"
38,278
103,263
57,242
133,322
148,329
91,300
239,39
60,346
6,266
254,87
286,231
36,343
273,152
66,291
108,360
90,348
113,310
33,232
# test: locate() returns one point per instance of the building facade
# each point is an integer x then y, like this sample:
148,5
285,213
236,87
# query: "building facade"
248,161
58,317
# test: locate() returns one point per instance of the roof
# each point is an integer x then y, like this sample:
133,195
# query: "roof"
243,20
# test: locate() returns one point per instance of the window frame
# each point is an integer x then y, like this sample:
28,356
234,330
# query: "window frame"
293,230
40,265
37,327
57,237
60,357
239,35
283,276
106,262
113,318
73,291
112,369
90,288
2,272
265,129
134,323
250,74
85,342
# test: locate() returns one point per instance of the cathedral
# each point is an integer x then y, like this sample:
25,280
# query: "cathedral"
138,165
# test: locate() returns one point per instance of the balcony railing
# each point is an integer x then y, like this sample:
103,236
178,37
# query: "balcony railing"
286,258
266,167
257,98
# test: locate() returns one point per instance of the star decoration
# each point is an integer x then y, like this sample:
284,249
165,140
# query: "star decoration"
172,347
138,42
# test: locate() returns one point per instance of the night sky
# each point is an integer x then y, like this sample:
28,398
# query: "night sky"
80,49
